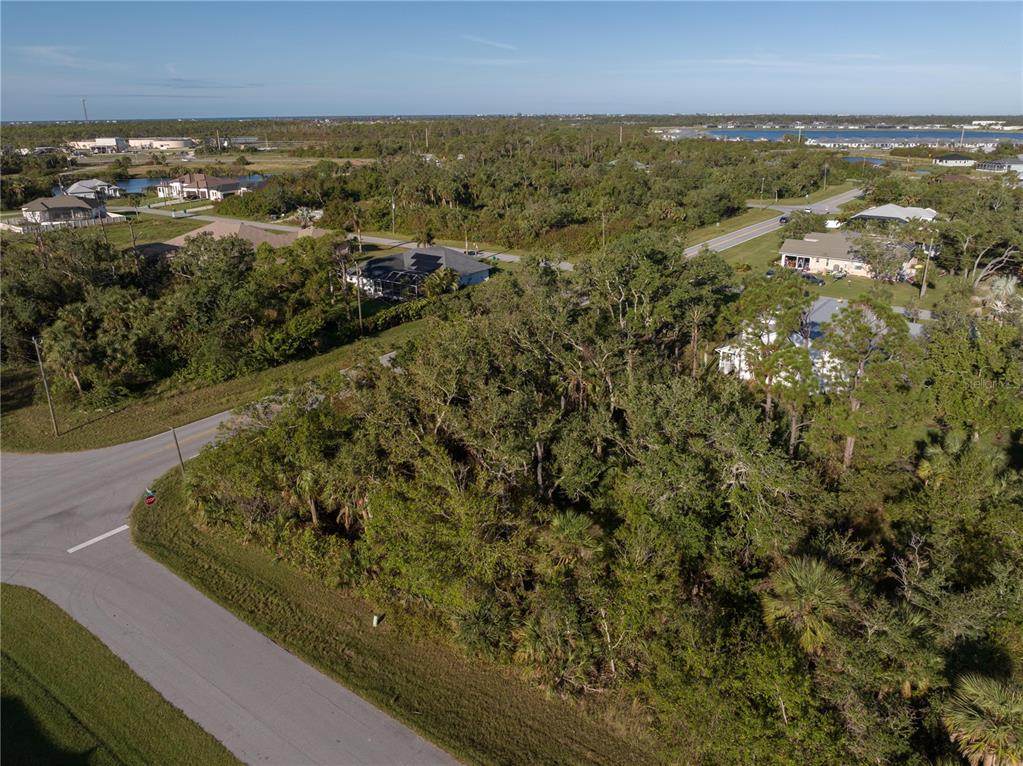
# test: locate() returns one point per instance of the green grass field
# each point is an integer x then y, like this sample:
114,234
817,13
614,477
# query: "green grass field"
68,700
26,422
150,228
478,711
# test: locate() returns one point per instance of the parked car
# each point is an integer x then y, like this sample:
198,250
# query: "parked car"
813,279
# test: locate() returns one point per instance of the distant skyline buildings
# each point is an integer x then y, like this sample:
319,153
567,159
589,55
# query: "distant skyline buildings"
240,59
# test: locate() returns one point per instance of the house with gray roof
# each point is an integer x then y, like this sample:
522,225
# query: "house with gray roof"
63,209
899,213
400,276
93,188
733,356
834,251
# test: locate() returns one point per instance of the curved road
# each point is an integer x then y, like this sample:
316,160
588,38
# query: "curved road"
264,704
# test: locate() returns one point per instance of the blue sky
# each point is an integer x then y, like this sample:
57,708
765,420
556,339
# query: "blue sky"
149,59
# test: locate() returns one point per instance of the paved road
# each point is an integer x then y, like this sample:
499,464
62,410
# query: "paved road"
499,255
716,244
741,236
264,704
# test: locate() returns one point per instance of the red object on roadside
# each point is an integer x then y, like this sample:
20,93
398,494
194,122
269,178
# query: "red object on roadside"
150,499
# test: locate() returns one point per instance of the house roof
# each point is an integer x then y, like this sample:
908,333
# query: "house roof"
249,232
203,181
833,245
89,185
63,202
423,261
898,213
953,156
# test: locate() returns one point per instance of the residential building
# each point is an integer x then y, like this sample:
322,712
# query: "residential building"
734,356
200,186
898,213
954,161
93,188
63,209
399,277
820,253
1014,164
101,145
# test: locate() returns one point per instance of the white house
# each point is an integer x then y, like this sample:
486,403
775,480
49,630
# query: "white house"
954,161
899,213
200,186
93,188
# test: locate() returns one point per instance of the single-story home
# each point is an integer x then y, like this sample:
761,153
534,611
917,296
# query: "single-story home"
256,235
200,186
819,253
1014,164
62,209
398,277
732,356
93,188
954,161
898,213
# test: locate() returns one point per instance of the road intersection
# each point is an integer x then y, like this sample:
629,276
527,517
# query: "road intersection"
63,531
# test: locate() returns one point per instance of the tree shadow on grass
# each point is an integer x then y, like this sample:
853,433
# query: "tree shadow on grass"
22,741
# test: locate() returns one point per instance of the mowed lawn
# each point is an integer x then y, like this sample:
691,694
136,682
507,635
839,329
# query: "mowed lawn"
68,700
761,254
478,711
26,425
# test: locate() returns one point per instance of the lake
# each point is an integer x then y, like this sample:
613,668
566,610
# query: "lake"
867,134
138,185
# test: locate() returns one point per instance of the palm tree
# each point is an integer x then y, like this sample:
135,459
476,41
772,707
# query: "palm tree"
985,720
425,236
805,599
441,281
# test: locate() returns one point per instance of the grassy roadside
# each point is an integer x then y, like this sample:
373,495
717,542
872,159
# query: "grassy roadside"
476,710
68,700
25,421
817,196
728,225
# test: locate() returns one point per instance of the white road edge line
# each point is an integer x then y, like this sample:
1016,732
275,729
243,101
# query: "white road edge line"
96,539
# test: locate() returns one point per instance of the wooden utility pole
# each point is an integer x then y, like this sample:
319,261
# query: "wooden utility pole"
621,132
177,446
46,386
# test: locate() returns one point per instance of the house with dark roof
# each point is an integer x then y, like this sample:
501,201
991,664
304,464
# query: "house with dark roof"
954,160
63,209
400,276
200,186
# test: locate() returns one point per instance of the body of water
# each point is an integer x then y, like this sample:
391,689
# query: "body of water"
877,134
865,160
139,185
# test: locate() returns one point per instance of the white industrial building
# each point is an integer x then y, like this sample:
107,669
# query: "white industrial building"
100,145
